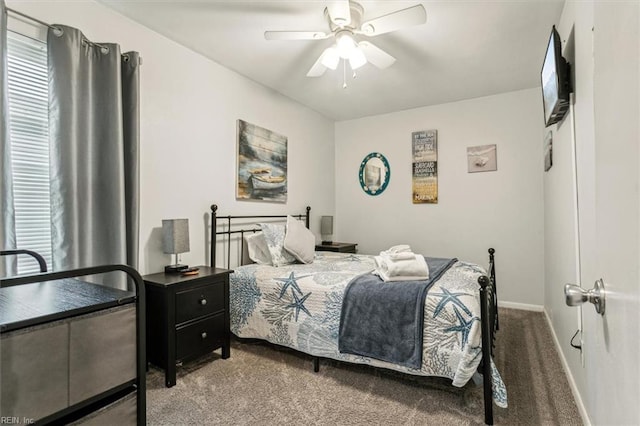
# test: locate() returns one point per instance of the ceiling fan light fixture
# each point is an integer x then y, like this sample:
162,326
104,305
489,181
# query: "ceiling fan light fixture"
357,58
345,44
330,58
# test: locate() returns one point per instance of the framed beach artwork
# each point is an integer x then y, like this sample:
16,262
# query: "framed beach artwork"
482,158
262,164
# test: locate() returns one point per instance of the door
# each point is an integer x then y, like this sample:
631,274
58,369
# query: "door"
609,208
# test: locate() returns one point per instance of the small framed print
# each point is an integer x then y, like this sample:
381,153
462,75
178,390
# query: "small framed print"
548,151
482,158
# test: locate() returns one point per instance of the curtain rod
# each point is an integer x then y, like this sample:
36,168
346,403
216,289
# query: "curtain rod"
57,30
31,18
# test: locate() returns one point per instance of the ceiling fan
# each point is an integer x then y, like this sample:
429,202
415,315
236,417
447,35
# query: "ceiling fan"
345,23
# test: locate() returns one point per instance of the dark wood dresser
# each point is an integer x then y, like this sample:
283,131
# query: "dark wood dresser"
69,353
187,316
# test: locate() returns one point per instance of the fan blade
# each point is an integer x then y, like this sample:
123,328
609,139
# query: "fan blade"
415,15
295,35
339,12
376,56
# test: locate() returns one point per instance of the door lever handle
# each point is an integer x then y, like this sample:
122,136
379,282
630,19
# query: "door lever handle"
576,295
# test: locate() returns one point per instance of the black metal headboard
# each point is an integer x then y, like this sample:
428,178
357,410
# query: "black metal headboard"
245,219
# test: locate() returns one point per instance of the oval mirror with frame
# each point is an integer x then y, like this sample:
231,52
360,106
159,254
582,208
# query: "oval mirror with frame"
375,173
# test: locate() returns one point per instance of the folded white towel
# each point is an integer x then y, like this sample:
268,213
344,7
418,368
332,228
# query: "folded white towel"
401,248
401,270
405,255
401,278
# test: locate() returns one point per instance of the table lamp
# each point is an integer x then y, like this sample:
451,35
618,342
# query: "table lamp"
175,240
326,229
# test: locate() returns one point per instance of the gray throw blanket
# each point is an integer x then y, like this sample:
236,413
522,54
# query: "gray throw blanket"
385,320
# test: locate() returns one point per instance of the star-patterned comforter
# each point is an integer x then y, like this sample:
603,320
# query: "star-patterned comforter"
299,306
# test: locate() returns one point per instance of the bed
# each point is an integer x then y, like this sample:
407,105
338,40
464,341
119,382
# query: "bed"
300,306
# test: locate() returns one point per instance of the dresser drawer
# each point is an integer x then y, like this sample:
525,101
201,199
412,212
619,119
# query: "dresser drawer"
200,337
122,412
199,301
34,371
102,352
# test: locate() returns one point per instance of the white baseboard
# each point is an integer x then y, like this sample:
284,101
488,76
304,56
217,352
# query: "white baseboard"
565,366
522,306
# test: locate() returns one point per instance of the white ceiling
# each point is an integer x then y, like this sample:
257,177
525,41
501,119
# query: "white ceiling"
467,49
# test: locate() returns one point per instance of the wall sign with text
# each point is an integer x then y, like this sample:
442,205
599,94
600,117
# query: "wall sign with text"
425,166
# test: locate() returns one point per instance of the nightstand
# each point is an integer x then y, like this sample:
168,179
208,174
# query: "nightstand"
187,316
338,247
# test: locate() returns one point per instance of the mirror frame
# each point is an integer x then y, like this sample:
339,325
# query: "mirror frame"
387,174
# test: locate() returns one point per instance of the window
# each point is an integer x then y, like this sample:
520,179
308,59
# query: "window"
29,134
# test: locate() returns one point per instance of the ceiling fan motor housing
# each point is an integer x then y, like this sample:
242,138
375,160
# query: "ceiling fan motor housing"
356,11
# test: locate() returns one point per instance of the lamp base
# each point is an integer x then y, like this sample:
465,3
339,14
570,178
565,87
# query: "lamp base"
175,269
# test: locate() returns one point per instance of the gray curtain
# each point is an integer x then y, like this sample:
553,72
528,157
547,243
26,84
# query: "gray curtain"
7,227
94,128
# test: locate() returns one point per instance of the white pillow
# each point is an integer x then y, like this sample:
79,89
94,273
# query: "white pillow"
258,249
274,235
299,241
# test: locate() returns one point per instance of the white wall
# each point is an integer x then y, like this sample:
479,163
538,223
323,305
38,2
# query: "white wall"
475,211
561,220
189,108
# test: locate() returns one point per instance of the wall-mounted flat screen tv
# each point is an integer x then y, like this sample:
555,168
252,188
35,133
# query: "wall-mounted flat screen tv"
556,84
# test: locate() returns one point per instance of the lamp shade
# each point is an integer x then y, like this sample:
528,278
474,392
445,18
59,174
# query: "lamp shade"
330,58
345,44
175,236
326,225
357,58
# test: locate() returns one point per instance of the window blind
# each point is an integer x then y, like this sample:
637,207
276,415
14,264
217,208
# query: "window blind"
29,134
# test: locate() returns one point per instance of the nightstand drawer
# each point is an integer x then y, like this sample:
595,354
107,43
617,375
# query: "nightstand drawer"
200,337
199,302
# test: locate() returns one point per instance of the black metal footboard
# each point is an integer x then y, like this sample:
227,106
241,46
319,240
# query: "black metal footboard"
489,324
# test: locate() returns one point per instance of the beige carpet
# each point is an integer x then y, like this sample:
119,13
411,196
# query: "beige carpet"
264,385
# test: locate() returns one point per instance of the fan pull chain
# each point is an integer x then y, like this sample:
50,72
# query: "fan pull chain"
344,74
